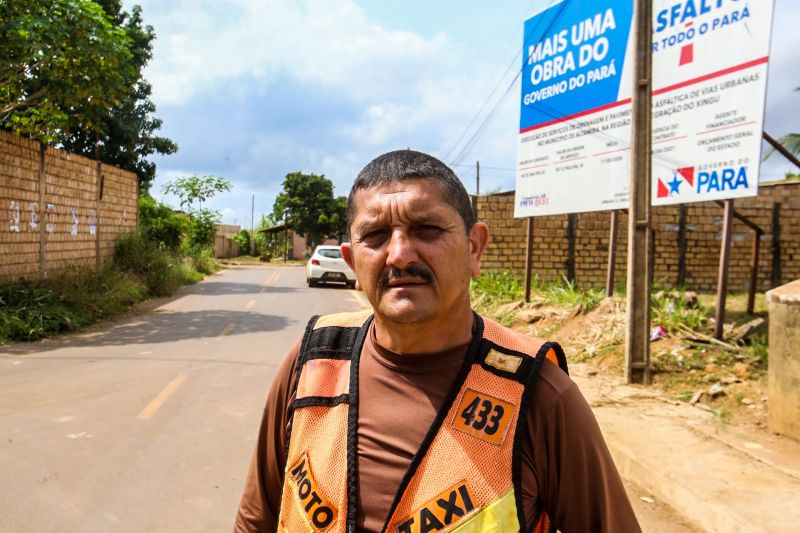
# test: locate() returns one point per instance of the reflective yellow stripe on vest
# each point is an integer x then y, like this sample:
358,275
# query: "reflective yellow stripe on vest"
499,516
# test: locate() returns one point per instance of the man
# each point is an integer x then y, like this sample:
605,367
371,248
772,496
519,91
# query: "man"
425,416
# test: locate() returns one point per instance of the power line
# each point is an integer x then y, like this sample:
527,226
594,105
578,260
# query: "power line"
542,108
465,150
491,94
486,167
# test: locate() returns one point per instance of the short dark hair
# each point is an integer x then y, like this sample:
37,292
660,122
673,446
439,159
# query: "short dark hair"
400,165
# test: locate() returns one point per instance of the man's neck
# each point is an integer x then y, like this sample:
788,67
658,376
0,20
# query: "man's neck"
427,337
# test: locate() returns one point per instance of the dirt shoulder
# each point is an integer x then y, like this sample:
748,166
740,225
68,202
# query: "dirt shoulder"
696,439
726,379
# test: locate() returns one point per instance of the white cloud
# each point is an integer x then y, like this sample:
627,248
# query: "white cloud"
331,43
253,89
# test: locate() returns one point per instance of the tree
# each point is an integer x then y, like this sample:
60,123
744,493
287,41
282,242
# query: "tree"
130,127
308,205
243,240
63,65
198,189
337,221
160,223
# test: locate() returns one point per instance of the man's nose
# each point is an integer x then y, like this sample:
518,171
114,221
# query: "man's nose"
401,252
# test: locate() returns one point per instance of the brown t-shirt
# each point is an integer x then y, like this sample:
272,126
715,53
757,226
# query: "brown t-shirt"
566,467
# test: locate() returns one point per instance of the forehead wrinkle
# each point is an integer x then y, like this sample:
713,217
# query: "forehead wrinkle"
401,213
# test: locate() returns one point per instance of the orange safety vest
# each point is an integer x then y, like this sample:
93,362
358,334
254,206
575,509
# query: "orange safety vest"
466,475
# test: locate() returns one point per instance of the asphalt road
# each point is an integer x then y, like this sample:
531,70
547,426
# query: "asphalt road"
148,423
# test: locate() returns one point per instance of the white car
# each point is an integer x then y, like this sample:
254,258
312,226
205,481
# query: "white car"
326,265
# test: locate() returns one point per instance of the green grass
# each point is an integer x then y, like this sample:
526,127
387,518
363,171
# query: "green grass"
162,271
493,289
30,310
673,312
497,286
566,293
73,299
759,351
200,261
504,287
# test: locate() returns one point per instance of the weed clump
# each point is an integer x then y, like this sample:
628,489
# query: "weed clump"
31,310
159,269
496,287
567,293
141,268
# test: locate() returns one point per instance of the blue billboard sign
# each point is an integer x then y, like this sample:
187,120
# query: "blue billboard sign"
573,60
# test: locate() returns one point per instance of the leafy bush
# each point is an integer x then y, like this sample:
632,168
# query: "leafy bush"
202,228
160,223
201,259
243,240
189,271
159,269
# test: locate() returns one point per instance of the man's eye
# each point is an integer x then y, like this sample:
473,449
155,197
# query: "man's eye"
374,238
428,232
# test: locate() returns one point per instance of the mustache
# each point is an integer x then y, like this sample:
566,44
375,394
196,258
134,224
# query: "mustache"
412,271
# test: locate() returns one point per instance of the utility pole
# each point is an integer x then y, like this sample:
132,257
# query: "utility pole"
477,188
477,178
637,338
252,226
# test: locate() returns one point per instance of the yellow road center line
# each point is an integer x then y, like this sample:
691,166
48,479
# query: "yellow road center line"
250,304
272,278
227,330
162,397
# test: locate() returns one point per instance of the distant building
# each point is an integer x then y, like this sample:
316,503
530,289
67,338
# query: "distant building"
224,246
289,243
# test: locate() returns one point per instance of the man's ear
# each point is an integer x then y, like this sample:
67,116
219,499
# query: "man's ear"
347,255
478,239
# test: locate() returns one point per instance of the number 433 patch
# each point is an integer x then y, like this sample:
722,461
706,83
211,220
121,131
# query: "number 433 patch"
483,416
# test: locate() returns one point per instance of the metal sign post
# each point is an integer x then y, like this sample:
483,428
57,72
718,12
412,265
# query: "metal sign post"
529,260
612,254
724,261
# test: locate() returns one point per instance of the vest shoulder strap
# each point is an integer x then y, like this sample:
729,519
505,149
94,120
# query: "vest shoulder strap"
332,336
329,346
509,348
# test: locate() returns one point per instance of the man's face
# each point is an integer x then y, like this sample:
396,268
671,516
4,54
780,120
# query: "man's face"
411,253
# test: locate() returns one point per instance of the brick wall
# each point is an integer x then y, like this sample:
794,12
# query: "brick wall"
703,229
74,214
224,247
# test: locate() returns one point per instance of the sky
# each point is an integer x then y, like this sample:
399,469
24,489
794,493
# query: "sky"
252,90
